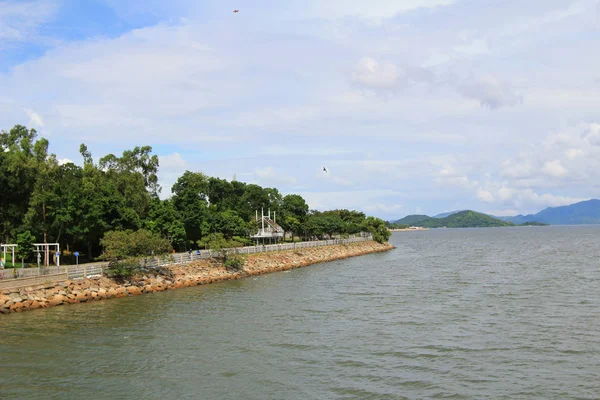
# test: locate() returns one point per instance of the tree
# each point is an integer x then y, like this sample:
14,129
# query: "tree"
294,210
128,251
25,242
294,205
377,228
219,190
120,245
292,224
19,162
254,199
229,223
164,220
190,202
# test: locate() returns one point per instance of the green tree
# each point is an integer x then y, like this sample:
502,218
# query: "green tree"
228,223
127,251
19,153
292,224
25,242
164,220
254,199
377,228
190,202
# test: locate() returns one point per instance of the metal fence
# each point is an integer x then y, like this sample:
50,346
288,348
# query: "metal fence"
96,269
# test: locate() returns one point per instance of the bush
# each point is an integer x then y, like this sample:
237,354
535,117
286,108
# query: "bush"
235,261
121,270
128,251
119,245
223,250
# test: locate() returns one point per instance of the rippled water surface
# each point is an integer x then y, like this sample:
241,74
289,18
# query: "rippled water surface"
509,313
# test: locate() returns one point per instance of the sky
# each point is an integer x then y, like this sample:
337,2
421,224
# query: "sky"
413,106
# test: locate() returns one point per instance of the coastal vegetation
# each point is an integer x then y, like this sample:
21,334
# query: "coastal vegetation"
461,219
88,205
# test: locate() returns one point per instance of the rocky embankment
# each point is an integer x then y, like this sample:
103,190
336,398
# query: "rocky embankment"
177,276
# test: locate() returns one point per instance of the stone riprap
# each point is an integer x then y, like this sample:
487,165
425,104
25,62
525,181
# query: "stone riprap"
196,273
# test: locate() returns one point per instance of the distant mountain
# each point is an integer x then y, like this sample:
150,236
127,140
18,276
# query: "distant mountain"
459,219
464,219
584,212
447,214
412,219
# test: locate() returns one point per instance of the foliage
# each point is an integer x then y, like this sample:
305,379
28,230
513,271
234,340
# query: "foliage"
78,206
395,225
127,251
25,242
378,229
121,270
461,219
224,250
464,219
533,223
412,220
119,245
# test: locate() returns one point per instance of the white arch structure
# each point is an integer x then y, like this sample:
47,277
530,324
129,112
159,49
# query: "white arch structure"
12,249
45,248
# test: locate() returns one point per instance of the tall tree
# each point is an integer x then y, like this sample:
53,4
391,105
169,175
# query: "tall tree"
18,176
190,201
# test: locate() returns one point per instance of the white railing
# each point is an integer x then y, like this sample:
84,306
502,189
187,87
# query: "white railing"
96,269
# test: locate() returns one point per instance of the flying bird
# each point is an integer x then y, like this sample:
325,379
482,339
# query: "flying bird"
236,11
325,170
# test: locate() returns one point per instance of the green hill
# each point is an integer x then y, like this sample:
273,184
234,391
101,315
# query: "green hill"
412,220
463,219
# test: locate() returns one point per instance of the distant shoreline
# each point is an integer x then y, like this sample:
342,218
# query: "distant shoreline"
409,230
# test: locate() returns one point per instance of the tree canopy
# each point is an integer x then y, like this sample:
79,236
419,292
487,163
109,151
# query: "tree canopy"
84,207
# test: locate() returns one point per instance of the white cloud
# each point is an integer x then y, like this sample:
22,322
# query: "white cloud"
333,178
370,9
379,208
490,92
63,161
269,175
485,196
171,167
376,74
35,119
517,169
172,161
20,20
572,154
555,169
474,47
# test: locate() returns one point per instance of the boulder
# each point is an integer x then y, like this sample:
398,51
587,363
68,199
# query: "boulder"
82,297
134,290
56,300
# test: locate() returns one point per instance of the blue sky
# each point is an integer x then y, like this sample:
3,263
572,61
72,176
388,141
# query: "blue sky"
416,106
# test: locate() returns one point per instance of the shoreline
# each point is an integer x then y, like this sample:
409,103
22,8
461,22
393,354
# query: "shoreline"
408,230
196,273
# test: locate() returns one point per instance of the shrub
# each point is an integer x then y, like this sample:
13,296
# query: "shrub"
121,270
223,250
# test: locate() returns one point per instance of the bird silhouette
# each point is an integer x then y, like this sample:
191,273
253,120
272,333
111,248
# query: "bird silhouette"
236,11
325,170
